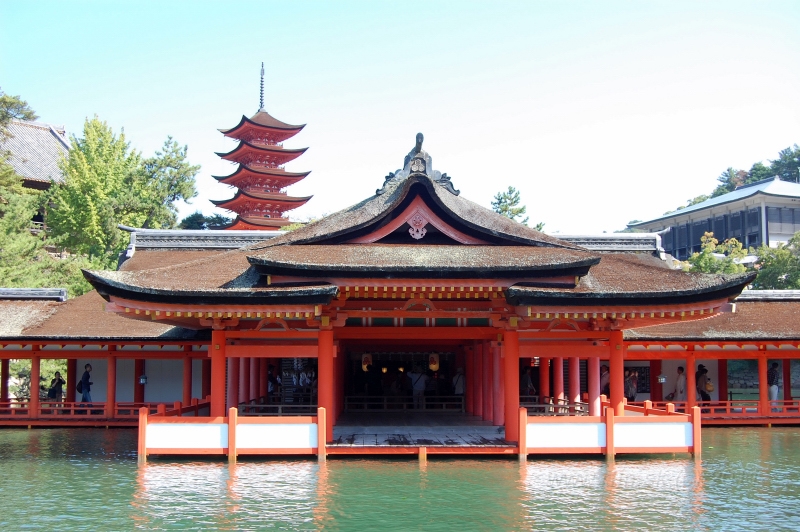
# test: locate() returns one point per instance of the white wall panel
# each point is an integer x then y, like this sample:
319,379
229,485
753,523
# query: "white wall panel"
187,436
566,435
274,436
677,434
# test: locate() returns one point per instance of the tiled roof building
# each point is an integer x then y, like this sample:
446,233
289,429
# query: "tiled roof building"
36,150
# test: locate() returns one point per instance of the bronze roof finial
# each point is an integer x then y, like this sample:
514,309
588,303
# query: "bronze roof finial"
261,101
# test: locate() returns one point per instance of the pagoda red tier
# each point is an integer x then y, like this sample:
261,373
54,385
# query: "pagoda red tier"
260,201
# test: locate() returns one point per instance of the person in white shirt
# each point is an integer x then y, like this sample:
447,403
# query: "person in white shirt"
458,382
680,385
418,382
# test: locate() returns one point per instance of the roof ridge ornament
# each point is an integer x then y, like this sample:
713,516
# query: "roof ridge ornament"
261,99
418,162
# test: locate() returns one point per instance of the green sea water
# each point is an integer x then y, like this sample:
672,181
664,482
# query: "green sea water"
89,479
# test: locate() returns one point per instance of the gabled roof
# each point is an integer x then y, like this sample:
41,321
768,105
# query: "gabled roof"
767,187
36,150
363,216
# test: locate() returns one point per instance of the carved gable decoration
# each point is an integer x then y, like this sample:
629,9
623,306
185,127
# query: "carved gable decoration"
418,215
418,162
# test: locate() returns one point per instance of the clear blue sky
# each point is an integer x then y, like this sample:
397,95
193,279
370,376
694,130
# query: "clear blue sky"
599,112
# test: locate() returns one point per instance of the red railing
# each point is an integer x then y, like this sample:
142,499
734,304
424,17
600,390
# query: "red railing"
49,410
742,408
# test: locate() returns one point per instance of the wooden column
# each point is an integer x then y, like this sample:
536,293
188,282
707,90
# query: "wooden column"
138,389
763,388
33,410
4,379
233,383
498,384
511,370
574,380
72,380
187,380
205,389
558,379
477,382
253,388
593,376
656,388
111,383
544,379
216,352
325,383
691,381
787,379
616,368
722,386
488,397
469,375
244,380
262,378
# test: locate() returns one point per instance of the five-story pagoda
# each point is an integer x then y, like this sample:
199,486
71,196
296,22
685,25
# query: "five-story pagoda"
261,201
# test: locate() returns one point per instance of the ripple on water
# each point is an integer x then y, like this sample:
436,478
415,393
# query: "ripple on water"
73,479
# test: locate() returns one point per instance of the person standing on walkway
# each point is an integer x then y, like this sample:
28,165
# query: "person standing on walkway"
418,382
86,384
605,380
458,382
773,377
701,382
680,386
56,391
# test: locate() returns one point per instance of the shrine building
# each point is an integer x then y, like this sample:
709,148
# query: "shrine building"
254,342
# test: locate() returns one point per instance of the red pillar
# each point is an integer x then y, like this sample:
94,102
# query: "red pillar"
558,379
253,388
244,380
206,376
187,380
138,389
111,383
477,383
216,352
34,399
325,381
616,368
574,380
511,370
72,380
656,388
763,389
4,379
691,382
722,372
233,383
486,362
787,379
469,390
544,379
262,378
498,384
593,376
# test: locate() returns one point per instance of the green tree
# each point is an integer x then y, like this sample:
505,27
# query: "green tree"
107,184
787,165
96,194
779,267
715,257
161,181
25,261
507,204
198,221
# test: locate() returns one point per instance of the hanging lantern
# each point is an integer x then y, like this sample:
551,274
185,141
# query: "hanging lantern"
366,360
433,361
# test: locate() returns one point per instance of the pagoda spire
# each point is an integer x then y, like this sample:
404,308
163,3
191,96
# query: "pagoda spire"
260,200
261,100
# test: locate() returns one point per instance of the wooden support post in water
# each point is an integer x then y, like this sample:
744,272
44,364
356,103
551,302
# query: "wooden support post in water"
523,434
143,412
233,418
610,434
322,423
423,455
696,438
